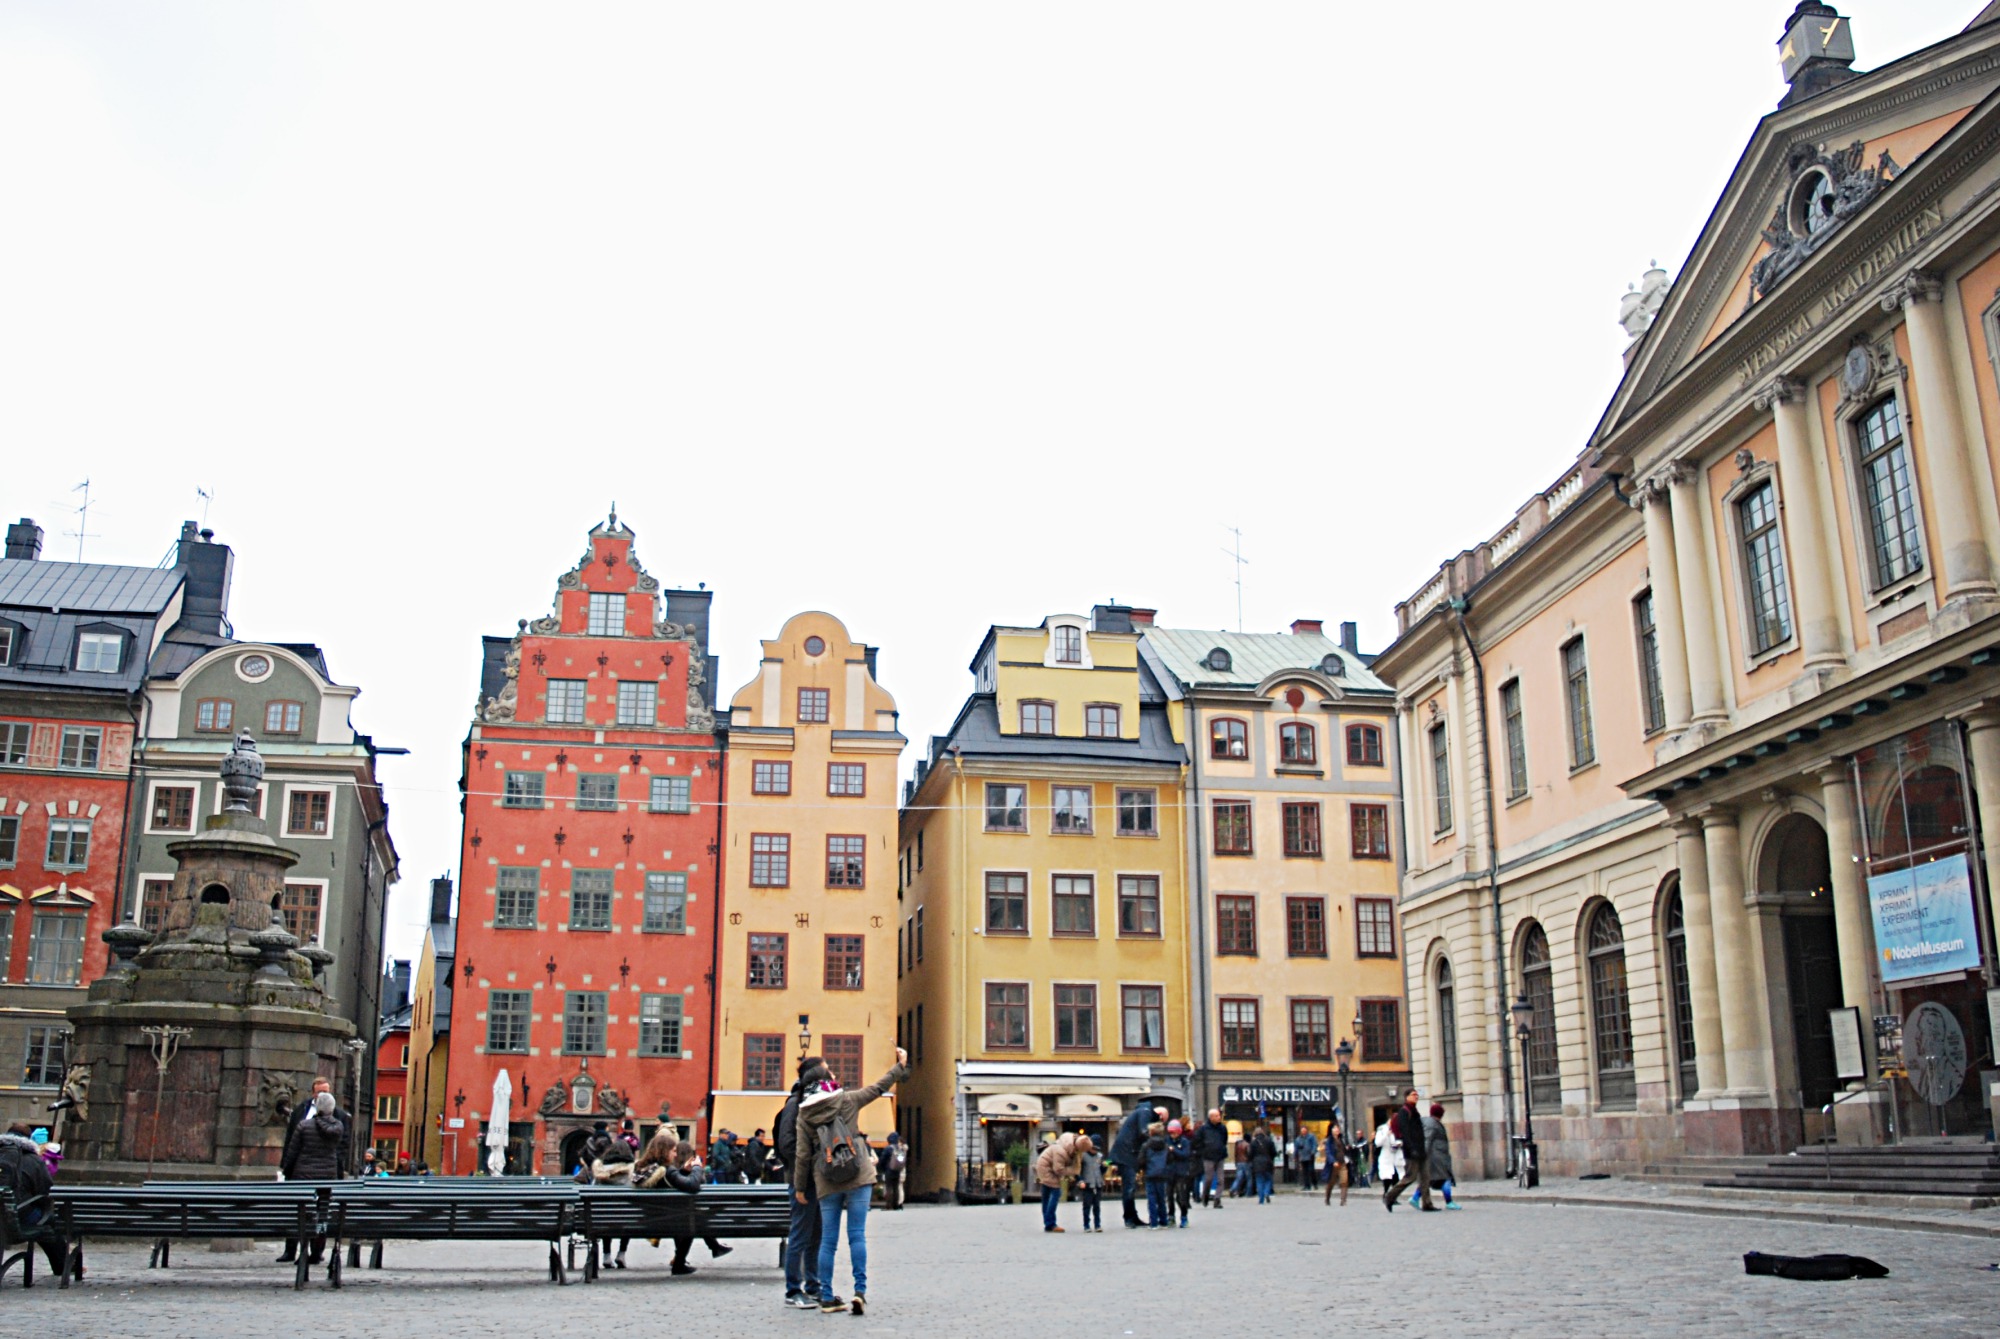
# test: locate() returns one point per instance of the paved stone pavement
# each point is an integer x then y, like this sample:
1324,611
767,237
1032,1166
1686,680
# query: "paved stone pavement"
1500,1267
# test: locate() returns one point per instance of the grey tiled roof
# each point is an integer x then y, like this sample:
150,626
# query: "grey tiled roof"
86,587
1254,657
977,735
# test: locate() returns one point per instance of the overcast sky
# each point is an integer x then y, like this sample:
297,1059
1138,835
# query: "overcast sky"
931,315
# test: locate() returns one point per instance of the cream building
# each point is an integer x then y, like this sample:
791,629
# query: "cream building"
1702,742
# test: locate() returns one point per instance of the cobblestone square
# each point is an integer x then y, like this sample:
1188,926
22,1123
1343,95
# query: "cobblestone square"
1503,1266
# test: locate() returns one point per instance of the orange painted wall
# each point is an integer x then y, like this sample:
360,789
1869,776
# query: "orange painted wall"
1774,674
1600,610
1907,144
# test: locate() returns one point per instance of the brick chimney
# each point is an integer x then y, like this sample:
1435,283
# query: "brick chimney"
1143,618
24,540
1350,638
441,900
1303,626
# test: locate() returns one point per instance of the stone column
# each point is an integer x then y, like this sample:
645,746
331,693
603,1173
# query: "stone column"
1967,560
1698,592
1859,1117
1739,967
1805,528
1983,728
1697,917
1668,630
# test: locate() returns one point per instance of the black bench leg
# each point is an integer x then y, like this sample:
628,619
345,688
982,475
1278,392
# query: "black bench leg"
375,1256
72,1269
333,1266
556,1270
28,1266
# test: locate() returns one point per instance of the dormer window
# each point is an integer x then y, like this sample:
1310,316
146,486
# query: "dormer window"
99,652
1218,661
1332,666
1038,718
607,616
10,642
1068,644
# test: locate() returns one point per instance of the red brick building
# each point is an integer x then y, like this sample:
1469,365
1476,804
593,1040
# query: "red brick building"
586,913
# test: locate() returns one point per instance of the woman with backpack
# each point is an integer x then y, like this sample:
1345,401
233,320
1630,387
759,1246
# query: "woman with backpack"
833,1152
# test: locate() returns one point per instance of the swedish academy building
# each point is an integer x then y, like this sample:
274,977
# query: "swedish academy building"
1703,800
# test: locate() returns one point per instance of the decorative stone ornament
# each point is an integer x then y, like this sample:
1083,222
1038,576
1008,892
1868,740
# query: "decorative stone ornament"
1824,191
242,772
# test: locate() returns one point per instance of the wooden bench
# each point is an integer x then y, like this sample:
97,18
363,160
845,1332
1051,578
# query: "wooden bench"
376,1209
164,1214
714,1211
14,1233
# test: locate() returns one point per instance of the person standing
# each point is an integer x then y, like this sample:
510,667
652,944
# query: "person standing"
1180,1170
1388,1154
802,1283
1243,1182
1437,1153
1059,1161
838,1158
1336,1162
755,1150
300,1115
894,1161
1305,1149
1159,1183
1090,1187
1263,1162
1125,1155
316,1150
1211,1145
1408,1125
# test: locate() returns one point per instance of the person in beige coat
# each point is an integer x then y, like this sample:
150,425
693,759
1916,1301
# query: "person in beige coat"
1058,1162
845,1182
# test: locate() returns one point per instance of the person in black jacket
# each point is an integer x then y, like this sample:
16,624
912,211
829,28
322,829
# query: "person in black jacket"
24,1172
666,1165
802,1282
300,1115
316,1150
1124,1155
1211,1142
1408,1126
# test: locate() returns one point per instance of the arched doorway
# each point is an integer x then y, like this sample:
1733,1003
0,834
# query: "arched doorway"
1796,866
1680,991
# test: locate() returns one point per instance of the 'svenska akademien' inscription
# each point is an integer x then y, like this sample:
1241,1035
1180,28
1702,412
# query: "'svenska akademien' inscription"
1840,292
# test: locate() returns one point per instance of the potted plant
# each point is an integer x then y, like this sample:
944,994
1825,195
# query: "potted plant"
1018,1158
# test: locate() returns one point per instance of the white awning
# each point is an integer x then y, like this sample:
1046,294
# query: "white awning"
1011,1106
1089,1106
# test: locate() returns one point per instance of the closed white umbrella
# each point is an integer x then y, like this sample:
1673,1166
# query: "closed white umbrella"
496,1123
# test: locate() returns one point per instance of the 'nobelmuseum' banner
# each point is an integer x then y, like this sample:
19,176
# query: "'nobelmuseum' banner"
1923,919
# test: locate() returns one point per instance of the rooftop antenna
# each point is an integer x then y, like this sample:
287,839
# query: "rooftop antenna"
206,496
1235,553
82,531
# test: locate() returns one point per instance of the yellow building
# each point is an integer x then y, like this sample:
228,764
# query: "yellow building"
429,1134
1044,935
1297,950
809,892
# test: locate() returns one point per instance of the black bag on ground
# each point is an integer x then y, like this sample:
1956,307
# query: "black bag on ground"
1815,1268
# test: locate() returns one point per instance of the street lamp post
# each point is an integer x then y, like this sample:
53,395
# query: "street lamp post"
1344,1054
1524,1028
805,1034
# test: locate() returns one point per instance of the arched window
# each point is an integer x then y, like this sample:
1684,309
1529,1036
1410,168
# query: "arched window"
1538,983
1679,995
1228,738
1364,746
1295,743
1038,718
1447,1027
1218,661
1611,1010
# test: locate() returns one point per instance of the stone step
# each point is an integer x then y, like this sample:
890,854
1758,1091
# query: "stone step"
1981,1189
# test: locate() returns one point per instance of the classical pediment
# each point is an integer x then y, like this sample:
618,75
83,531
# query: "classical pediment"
1816,180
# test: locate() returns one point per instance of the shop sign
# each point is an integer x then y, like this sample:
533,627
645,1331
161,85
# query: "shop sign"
1304,1095
1924,922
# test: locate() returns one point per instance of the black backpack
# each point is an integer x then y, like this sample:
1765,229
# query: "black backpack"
840,1151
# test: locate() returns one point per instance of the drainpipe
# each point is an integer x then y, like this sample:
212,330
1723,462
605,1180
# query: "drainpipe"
715,939
1191,828
1458,609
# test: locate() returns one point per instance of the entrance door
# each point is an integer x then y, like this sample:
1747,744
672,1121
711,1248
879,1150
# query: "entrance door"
1812,978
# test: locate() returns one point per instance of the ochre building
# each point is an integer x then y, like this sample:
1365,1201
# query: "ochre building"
809,870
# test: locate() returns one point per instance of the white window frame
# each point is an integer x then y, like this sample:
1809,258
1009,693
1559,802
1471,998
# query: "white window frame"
332,817
1082,627
97,639
153,788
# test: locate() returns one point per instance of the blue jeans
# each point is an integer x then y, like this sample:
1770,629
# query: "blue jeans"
855,1204
1159,1211
802,1246
1263,1187
1051,1197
